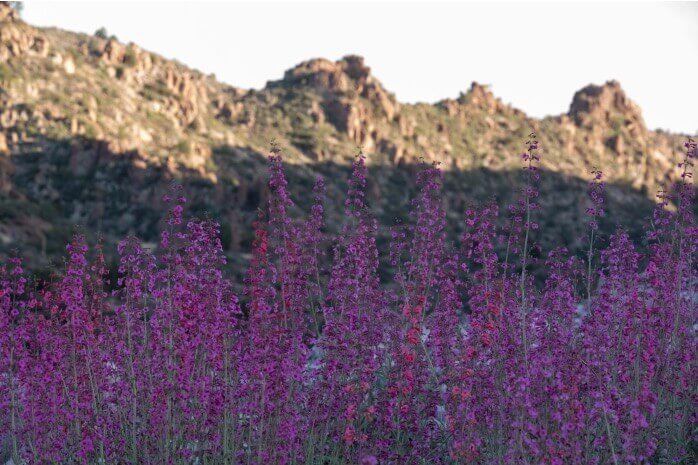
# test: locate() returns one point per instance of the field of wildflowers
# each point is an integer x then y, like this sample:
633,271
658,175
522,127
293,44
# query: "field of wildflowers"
462,357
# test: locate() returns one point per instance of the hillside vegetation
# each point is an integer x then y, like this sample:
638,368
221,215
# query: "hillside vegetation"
93,132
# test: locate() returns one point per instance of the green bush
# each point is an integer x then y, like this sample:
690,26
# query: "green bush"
130,59
102,33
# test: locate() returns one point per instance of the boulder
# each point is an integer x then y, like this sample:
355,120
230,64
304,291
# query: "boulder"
7,13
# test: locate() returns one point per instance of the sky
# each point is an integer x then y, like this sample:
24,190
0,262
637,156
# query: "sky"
533,55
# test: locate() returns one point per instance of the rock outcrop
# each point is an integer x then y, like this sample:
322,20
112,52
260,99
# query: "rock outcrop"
353,100
17,38
7,13
605,105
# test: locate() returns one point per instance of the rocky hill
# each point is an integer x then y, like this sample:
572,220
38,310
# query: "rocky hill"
93,131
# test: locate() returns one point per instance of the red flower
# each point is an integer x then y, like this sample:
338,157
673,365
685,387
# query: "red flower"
413,336
408,355
349,435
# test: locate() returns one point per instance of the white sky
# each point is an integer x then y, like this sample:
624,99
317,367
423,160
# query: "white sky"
534,55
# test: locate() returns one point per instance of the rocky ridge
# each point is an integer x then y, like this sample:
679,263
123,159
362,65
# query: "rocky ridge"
92,131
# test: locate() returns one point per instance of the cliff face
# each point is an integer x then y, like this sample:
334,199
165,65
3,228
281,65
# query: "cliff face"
92,131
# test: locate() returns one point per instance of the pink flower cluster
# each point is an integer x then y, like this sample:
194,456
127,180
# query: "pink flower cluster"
464,355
